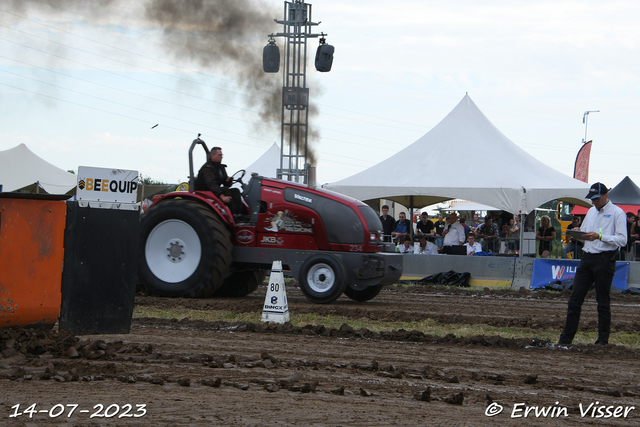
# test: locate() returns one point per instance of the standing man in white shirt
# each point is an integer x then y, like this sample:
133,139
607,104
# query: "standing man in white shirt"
453,233
605,228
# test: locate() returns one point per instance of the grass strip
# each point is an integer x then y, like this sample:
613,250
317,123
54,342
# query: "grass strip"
428,326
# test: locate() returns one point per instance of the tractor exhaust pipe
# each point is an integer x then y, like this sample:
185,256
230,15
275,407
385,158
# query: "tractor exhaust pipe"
311,175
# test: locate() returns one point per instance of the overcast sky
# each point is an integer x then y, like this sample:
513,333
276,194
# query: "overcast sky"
85,85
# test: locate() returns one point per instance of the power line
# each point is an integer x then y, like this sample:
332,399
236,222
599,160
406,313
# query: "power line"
129,106
146,122
234,92
121,90
180,67
172,90
123,76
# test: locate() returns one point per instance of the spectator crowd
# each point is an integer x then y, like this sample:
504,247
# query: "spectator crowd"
486,236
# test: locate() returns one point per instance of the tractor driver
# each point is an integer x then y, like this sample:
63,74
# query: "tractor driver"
213,177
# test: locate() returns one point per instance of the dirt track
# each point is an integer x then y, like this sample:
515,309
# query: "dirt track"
200,373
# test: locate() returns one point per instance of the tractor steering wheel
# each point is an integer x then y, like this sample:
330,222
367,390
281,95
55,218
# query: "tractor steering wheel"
235,178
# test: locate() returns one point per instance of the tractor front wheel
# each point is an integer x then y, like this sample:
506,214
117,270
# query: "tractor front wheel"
323,278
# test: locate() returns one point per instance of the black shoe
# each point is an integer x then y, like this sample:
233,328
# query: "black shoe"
564,343
599,342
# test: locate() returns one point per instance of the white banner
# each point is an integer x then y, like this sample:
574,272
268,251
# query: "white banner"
107,185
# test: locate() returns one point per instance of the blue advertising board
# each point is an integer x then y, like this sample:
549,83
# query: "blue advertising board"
546,271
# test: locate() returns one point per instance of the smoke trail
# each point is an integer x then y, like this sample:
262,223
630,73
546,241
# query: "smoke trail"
224,35
57,5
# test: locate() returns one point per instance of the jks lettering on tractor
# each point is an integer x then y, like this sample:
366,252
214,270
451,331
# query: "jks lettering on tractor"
192,246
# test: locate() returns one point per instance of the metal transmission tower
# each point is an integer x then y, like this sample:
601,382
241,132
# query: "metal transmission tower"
295,94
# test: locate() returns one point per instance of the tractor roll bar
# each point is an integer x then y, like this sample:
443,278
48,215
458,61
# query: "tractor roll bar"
193,144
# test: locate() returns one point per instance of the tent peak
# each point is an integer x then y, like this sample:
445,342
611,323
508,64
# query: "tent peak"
21,168
458,157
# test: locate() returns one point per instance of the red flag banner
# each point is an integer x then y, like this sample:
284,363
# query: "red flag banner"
581,168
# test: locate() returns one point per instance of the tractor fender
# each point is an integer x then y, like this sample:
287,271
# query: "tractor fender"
204,197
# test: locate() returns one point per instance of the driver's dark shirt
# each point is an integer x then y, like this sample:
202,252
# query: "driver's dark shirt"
212,177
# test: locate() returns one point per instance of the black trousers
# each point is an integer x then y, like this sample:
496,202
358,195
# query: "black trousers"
236,200
490,245
599,268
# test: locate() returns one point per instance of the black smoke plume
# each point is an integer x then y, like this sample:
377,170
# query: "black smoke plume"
222,35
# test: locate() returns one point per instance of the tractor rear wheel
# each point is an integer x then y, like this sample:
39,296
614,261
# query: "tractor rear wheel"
185,249
363,295
323,278
241,283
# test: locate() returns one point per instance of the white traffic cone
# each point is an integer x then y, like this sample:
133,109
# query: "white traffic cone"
276,307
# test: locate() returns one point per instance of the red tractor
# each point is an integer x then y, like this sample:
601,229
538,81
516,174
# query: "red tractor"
192,246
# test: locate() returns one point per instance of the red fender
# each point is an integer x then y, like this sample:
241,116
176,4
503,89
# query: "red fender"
205,197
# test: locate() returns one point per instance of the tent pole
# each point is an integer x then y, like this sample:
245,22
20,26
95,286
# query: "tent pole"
522,219
411,210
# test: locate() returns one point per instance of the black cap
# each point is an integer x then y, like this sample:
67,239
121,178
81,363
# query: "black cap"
488,217
598,189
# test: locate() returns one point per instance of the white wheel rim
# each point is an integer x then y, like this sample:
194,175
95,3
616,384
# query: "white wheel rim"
321,278
173,251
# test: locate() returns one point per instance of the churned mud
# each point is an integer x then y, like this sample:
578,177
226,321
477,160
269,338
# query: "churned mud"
183,373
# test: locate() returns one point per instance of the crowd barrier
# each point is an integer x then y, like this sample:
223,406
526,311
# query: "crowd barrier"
490,271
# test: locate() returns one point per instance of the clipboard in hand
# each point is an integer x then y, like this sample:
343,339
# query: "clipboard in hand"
578,235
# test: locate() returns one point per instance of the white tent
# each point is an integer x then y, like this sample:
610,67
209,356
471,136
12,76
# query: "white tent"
464,156
267,164
21,169
464,205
